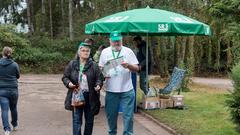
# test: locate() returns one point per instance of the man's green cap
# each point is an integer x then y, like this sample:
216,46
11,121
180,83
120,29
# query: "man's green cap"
115,36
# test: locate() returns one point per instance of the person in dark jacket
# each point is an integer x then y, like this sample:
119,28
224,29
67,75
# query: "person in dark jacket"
9,73
141,56
83,74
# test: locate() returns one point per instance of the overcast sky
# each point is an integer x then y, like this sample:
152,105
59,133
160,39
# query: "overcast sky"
22,6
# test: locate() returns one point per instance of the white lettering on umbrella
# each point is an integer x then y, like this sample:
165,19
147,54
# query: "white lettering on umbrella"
163,27
181,19
117,19
207,30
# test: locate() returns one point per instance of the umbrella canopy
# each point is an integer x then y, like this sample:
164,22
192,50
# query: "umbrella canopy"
148,21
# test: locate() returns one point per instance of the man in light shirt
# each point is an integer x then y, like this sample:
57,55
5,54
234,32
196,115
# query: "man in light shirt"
119,84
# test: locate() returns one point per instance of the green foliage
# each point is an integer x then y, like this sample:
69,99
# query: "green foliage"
8,37
233,34
228,13
39,54
188,75
234,99
46,55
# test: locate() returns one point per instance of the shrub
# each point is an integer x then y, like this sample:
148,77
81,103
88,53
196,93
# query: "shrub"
233,101
39,54
8,37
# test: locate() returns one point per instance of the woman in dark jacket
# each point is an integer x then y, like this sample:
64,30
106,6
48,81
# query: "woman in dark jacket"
9,73
83,74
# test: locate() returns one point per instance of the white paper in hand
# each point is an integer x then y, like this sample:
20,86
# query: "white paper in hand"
111,64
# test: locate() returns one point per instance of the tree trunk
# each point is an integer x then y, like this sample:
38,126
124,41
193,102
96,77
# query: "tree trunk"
200,55
30,26
43,14
190,58
78,6
183,49
151,46
32,16
139,3
210,52
217,42
187,60
50,18
197,56
159,57
229,55
96,12
218,51
62,13
70,20
178,50
165,56
173,42
125,4
13,10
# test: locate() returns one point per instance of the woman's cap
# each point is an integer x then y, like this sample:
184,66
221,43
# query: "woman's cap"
83,44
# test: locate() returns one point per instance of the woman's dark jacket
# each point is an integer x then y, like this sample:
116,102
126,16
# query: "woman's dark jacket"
9,73
94,78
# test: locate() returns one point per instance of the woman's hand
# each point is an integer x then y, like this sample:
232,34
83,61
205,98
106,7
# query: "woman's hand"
97,88
71,85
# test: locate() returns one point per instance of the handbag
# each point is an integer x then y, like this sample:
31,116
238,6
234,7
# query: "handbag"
77,98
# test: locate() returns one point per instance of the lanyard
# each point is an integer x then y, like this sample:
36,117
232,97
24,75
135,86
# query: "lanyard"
80,72
116,58
117,54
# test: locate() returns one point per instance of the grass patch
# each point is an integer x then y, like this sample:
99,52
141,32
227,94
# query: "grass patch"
206,114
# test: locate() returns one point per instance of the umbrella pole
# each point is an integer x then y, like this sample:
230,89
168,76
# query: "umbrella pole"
147,63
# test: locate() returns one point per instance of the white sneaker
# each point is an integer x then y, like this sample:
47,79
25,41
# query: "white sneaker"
15,128
7,132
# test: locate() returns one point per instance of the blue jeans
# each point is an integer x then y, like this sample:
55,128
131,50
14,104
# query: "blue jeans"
77,118
9,100
112,102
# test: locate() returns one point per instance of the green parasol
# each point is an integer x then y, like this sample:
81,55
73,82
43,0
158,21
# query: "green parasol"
148,21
